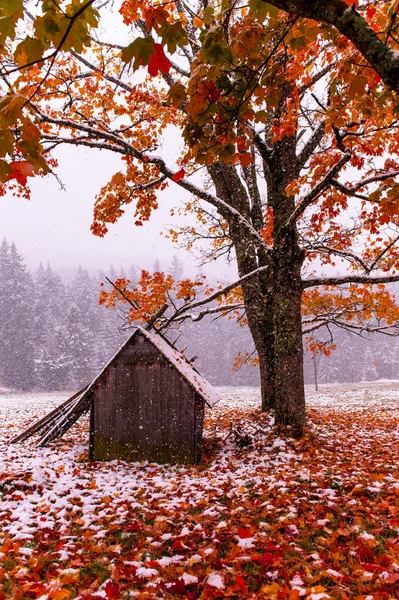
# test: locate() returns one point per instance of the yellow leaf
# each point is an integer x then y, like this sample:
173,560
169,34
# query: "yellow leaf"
269,591
60,594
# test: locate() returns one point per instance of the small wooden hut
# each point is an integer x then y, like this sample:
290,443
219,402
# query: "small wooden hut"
147,403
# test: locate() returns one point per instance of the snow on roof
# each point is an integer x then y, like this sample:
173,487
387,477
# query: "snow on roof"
176,358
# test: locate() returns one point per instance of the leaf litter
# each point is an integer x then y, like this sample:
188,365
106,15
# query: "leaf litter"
316,518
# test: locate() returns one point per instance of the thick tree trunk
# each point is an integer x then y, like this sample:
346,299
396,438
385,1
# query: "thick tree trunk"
256,292
290,395
267,368
261,326
287,292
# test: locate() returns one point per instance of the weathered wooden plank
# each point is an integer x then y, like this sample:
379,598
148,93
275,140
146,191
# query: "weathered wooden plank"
66,422
156,409
199,425
91,432
145,409
47,420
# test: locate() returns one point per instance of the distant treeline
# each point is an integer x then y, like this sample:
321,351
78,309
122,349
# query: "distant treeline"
55,336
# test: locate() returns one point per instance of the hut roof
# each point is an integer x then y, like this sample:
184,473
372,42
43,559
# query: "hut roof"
61,419
185,368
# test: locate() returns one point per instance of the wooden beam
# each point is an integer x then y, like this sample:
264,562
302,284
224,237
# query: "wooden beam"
39,425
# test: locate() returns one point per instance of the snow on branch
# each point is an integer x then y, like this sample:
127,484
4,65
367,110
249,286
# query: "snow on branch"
225,290
117,144
345,279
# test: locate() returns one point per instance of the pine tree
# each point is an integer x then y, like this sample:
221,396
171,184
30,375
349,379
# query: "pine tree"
369,371
16,320
80,348
176,268
5,293
50,307
156,267
133,277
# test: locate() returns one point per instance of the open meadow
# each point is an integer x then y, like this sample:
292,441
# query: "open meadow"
316,518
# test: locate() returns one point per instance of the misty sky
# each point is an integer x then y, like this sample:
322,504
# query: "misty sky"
55,224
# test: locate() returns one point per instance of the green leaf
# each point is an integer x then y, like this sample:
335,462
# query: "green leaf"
6,143
214,48
7,29
297,43
141,49
5,171
46,28
9,7
262,9
28,51
177,94
173,35
208,15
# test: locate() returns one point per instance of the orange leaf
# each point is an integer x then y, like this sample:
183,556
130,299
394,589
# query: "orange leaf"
60,594
198,23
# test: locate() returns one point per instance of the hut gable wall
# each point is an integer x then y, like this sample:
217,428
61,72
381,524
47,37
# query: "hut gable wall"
144,409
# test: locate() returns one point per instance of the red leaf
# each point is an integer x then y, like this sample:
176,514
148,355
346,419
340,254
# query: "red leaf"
178,587
244,533
111,589
135,526
153,563
214,94
177,545
21,170
179,175
267,558
158,61
240,581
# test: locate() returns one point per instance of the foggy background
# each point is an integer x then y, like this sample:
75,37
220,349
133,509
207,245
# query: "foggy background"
53,334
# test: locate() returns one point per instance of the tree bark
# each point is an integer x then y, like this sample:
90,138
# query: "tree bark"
290,396
256,292
288,258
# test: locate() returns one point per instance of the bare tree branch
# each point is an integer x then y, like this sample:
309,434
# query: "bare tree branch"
344,279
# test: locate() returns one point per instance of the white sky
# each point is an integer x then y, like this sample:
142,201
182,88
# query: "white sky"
55,224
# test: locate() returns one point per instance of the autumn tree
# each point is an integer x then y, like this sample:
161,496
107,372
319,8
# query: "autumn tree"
295,134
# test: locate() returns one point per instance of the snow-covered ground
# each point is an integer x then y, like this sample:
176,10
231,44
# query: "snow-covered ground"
341,396
168,526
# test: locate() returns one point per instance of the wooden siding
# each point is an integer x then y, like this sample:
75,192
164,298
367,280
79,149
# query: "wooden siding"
145,410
